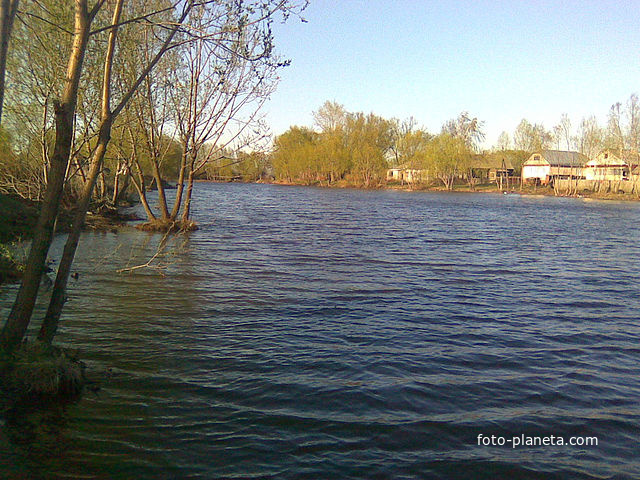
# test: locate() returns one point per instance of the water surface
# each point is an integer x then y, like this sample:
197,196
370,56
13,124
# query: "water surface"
315,333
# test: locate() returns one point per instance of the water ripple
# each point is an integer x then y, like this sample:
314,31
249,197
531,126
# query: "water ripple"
308,333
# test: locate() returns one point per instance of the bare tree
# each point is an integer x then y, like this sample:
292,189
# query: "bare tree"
469,129
590,137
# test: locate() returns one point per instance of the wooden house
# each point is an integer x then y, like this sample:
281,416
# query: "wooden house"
546,165
406,175
490,167
611,165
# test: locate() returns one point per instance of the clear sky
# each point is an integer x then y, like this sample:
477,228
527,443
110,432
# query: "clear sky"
499,60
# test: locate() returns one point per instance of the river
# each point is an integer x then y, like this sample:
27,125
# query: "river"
346,334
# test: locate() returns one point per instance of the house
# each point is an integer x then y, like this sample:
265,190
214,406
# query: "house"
546,165
490,167
406,175
611,165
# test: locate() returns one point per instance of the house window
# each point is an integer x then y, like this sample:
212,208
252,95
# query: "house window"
536,157
606,155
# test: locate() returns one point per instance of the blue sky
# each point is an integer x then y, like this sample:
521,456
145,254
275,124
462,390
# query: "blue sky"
499,60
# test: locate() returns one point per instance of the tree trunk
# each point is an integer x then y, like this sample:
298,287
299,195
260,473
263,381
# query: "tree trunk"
116,185
142,193
58,295
178,200
20,315
162,198
141,188
187,201
8,9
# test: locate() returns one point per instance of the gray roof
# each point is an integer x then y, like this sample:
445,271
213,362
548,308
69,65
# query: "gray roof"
492,160
560,158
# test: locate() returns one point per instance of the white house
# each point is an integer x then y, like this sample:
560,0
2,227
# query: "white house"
406,175
546,165
611,165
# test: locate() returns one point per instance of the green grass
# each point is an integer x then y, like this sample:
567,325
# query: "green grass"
37,370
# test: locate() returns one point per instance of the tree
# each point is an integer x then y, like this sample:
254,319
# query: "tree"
411,152
623,128
562,133
448,157
8,10
590,137
257,13
466,128
531,138
369,138
294,155
504,142
331,116
228,82
20,315
332,156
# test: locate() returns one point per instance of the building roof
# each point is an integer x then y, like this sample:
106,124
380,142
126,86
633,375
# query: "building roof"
628,156
561,158
492,160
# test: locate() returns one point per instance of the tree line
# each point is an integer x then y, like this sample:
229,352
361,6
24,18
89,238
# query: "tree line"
102,95
621,132
358,149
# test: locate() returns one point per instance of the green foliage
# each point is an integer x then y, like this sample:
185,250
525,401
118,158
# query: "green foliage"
412,149
516,157
242,166
448,157
11,266
369,138
350,145
295,155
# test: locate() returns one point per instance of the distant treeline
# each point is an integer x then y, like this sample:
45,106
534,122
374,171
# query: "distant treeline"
358,149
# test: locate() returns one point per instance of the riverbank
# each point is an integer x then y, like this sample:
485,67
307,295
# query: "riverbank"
539,190
19,217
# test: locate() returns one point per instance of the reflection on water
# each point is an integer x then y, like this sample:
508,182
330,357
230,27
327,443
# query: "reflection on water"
307,333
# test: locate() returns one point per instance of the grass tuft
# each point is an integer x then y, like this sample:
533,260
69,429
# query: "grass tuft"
42,371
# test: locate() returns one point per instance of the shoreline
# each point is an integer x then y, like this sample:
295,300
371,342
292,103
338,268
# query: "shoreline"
20,217
539,191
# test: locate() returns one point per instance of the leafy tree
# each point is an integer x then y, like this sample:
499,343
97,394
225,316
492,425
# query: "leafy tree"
448,157
531,138
369,139
294,156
